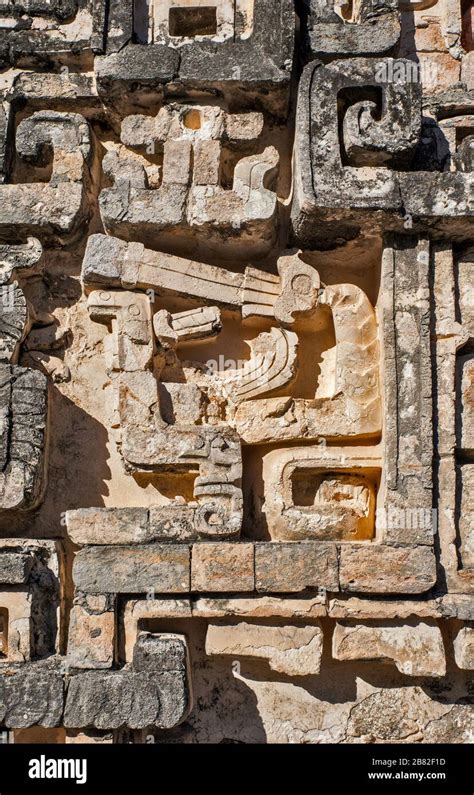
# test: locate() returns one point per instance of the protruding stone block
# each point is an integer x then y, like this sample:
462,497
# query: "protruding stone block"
159,652
464,648
405,499
31,695
105,526
15,567
190,208
58,207
321,493
465,485
290,650
332,31
112,700
465,407
39,33
416,648
355,168
240,49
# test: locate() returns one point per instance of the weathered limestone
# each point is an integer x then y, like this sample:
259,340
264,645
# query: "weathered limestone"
222,567
15,314
464,648
344,404
159,652
465,406
104,526
398,715
261,607
91,634
336,29
291,567
189,202
23,391
437,40
29,599
141,613
416,649
252,449
350,184
15,625
155,693
243,51
465,483
24,412
57,208
408,447
15,567
32,695
33,34
111,700
290,650
146,444
164,568
384,569
325,493
359,608
5,137
294,292
18,260
13,321
452,319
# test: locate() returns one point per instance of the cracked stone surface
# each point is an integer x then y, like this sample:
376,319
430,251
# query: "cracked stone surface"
236,372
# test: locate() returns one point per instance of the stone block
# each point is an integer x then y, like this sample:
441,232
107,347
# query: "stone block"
464,648
384,569
113,700
162,568
90,638
244,51
290,650
465,487
327,32
160,652
31,694
416,648
15,567
37,34
465,406
105,526
288,567
222,567
361,173
190,207
56,208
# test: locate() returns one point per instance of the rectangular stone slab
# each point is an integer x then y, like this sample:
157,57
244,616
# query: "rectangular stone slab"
164,568
293,566
110,700
384,569
104,526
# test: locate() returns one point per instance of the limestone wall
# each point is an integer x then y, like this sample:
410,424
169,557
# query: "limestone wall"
236,363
